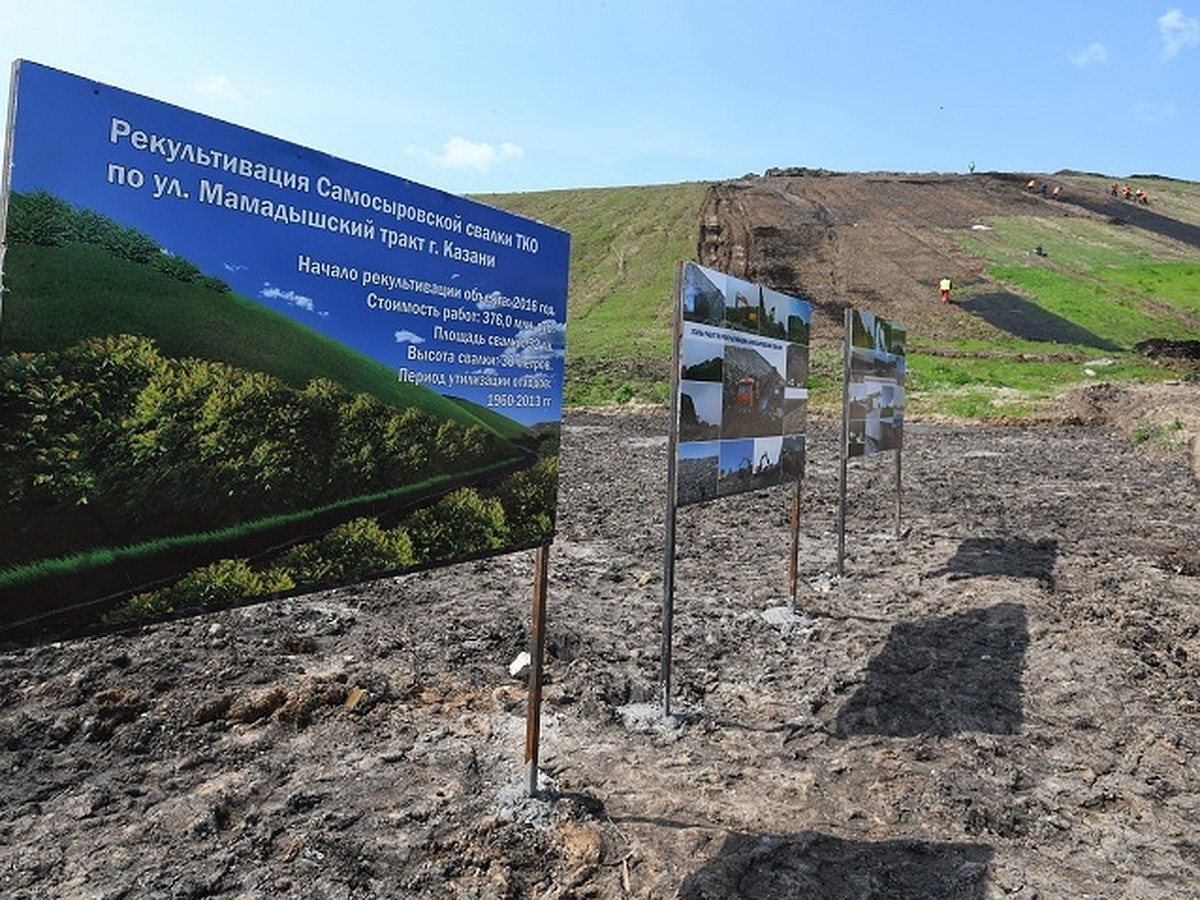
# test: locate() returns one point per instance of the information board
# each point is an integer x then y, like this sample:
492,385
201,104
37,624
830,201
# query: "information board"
875,392
225,356
743,385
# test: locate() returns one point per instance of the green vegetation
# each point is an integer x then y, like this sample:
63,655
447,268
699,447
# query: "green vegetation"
153,416
64,283
110,437
465,522
1121,284
625,246
1169,435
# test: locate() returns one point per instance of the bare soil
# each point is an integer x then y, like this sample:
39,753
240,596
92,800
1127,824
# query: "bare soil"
1001,701
883,240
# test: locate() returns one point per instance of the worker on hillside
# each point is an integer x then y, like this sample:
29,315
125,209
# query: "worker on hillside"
1057,190
1114,189
1032,186
1127,192
944,289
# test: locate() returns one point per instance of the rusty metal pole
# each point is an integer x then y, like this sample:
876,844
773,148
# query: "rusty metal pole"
537,647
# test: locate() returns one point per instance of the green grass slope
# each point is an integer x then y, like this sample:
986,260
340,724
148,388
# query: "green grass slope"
625,245
57,296
1116,282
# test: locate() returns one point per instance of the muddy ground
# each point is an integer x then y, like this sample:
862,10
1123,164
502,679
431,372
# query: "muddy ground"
1003,701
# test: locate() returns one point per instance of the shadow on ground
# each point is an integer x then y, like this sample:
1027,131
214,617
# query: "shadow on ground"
1126,213
944,676
1007,557
816,865
1027,320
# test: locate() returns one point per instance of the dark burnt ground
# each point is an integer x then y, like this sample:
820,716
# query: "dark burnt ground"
1125,212
1023,318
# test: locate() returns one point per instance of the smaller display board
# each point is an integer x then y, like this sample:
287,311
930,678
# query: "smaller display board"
743,386
741,404
875,365
872,402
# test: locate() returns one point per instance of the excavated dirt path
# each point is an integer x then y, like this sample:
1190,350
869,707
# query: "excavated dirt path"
1004,701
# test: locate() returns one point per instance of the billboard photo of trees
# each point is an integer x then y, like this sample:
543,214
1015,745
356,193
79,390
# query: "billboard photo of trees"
232,367
875,412
743,385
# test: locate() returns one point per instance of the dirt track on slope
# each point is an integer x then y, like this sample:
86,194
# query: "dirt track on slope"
883,240
1002,702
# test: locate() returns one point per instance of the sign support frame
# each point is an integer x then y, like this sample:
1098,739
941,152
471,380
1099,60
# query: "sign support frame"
669,517
537,653
844,441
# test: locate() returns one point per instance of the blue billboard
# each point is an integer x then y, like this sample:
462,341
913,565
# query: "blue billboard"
220,348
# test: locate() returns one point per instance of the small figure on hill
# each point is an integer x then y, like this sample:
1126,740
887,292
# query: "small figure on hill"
1043,190
1141,196
1032,186
944,289
971,167
1054,193
1038,251
1114,189
1127,192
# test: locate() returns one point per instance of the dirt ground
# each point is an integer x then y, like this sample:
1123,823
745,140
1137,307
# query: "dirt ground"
1002,701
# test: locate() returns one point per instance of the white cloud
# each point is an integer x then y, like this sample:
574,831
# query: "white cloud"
1177,32
1153,112
460,153
219,86
408,337
1093,54
300,301
544,341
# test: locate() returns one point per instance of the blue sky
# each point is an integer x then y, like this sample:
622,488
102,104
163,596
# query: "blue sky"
539,94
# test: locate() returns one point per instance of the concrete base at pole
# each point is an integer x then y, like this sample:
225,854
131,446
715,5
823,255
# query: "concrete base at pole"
645,718
787,621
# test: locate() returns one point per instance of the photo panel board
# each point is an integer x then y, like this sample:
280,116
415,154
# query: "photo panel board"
231,360
743,385
875,393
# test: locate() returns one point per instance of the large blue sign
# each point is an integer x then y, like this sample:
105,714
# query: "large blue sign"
448,292
418,334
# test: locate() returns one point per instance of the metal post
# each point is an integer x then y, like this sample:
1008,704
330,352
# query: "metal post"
794,569
668,604
845,441
899,493
537,645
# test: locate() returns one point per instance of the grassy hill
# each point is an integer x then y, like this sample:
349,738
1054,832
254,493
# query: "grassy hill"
1050,294
57,296
625,245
